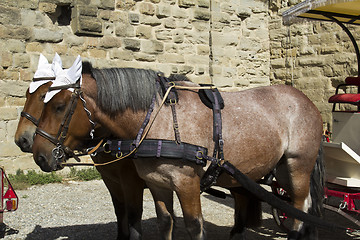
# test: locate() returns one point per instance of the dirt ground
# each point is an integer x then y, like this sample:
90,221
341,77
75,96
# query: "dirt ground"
83,210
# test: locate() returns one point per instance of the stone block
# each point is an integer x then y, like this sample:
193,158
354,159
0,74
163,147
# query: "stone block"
241,82
9,149
180,13
203,49
21,60
311,61
131,44
278,63
6,59
13,88
222,82
23,33
85,25
200,70
202,14
134,18
203,3
143,57
147,8
178,36
84,10
186,3
97,53
10,15
16,46
144,32
47,7
119,17
107,4
110,42
34,47
121,54
124,30
46,35
125,5
170,23
152,46
163,10
150,20
185,69
171,58
8,113
163,34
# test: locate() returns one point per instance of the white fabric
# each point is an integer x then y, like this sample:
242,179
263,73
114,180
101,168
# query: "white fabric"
44,69
65,77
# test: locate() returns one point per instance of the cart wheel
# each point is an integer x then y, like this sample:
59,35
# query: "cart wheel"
283,221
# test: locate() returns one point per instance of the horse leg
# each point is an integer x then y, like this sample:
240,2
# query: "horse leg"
247,212
163,199
300,179
133,198
189,198
126,189
119,204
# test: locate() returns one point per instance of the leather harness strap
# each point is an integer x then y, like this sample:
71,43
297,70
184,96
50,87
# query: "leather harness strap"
172,99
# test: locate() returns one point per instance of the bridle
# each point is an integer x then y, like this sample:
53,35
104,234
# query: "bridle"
60,150
28,116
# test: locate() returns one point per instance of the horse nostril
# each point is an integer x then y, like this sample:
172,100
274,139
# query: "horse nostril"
41,161
24,144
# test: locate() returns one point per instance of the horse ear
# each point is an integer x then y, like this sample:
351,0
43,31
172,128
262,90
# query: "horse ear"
74,72
57,59
43,62
57,68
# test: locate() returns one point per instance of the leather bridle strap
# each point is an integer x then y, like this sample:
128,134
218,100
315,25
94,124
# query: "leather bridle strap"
30,118
60,149
64,126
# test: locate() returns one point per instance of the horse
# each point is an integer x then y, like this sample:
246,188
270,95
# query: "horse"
126,196
264,128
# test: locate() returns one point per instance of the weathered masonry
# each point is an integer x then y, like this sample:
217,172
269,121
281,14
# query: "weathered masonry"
234,44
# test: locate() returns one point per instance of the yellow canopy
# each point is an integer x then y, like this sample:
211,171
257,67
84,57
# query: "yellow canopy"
345,11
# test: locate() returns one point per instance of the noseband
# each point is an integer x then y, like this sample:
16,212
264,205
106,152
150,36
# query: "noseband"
28,116
60,150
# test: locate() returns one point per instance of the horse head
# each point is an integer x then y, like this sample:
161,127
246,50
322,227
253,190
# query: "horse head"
34,103
65,122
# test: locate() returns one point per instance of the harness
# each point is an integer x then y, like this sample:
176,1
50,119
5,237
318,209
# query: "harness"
141,147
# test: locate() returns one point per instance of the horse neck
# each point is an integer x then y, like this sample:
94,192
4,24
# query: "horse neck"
124,125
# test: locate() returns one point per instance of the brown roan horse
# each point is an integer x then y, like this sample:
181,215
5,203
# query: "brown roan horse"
122,181
265,128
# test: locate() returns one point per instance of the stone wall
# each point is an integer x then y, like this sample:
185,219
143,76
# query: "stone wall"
224,42
313,56
235,44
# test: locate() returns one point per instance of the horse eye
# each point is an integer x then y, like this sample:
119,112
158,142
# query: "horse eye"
60,108
42,97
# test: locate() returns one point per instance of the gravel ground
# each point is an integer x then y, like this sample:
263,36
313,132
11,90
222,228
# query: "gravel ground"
83,210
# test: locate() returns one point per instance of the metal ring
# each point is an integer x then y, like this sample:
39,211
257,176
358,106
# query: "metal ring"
197,155
117,156
104,146
172,102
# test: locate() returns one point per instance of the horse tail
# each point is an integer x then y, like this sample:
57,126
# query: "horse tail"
317,185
